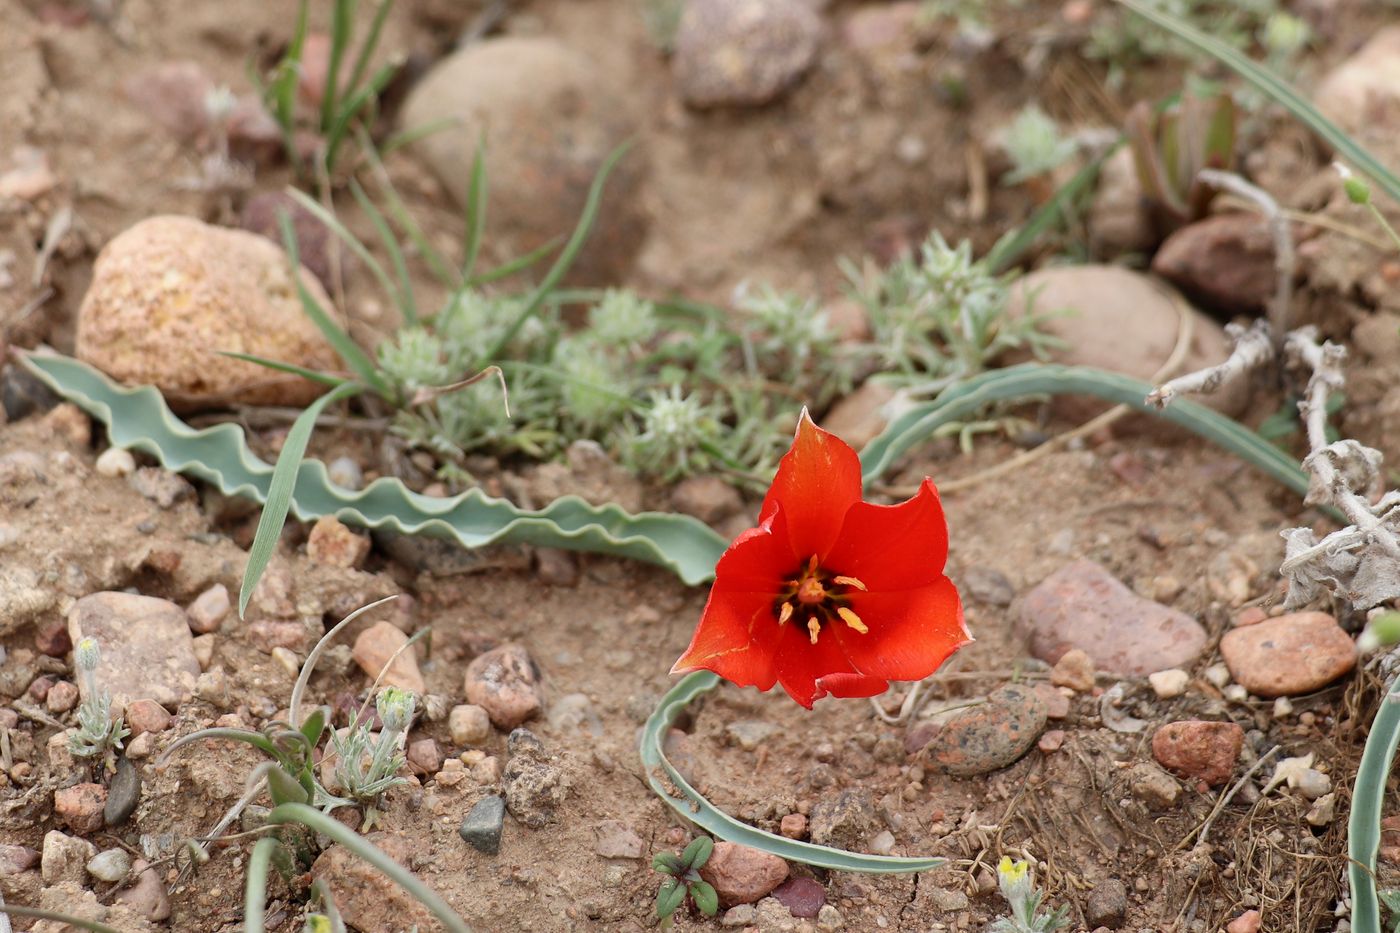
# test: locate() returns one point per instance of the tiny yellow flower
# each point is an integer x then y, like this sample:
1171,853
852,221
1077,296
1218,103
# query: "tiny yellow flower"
1011,871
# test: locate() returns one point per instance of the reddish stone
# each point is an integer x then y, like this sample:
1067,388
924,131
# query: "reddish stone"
741,875
803,897
1198,750
1290,655
80,807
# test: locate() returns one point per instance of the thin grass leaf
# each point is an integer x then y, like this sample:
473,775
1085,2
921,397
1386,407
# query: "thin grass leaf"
1031,380
279,497
15,910
339,338
282,93
358,101
256,739
376,26
441,269
342,31
519,264
319,822
255,886
309,665
474,214
566,257
411,135
328,379
1279,90
693,806
352,242
403,295
1367,802
1008,250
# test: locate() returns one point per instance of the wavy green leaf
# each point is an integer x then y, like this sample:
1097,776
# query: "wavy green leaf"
1029,380
692,805
140,420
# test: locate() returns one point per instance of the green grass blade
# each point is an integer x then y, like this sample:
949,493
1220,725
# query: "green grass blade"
1030,380
279,496
376,26
282,92
410,135
139,419
15,910
327,379
358,101
446,275
474,214
1367,801
1279,90
319,822
407,304
1008,250
693,806
255,886
339,338
566,256
342,29
519,264
352,242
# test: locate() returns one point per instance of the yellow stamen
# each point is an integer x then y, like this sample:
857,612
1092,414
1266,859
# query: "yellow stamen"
849,581
851,619
784,613
813,628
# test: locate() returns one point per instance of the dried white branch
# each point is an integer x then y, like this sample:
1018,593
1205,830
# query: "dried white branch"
1285,260
1253,348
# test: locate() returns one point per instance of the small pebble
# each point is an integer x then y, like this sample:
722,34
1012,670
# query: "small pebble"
1313,784
1247,922
1283,708
208,610
1107,904
345,472
145,715
1218,674
1235,693
288,659
829,919
123,794
1170,683
110,866
63,696
1074,670
116,462
793,826
1051,741
469,725
482,827
1323,811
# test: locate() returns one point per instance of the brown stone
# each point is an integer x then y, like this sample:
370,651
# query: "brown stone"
741,875
208,610
63,696
1074,670
171,291
376,645
145,643
333,544
144,716
80,807
502,681
424,757
990,735
1083,606
1198,750
1289,655
793,825
1226,261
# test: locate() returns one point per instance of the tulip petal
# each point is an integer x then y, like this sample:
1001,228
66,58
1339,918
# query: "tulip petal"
851,685
817,482
803,667
911,632
893,547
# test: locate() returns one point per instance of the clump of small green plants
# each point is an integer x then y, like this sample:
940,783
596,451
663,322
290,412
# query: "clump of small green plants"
683,882
940,317
1018,887
99,733
350,98
1170,148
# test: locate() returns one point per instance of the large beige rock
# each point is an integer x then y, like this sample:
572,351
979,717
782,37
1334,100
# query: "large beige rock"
1364,91
171,292
1115,319
549,117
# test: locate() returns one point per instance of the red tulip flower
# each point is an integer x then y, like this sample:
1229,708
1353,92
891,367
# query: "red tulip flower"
830,594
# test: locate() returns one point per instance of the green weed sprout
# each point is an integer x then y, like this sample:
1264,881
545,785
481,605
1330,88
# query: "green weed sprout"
940,318
1018,887
350,98
367,766
1035,145
683,881
99,733
1171,148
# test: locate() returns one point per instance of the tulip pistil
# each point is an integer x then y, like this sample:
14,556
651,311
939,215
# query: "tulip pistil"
822,597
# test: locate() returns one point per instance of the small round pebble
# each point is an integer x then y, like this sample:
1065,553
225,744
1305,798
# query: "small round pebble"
469,724
110,866
1289,655
1170,683
990,735
116,462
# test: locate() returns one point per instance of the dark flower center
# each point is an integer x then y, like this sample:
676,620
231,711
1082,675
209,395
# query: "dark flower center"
816,596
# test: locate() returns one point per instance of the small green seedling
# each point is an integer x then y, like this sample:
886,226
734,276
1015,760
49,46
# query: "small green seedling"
1171,148
99,733
1018,887
684,881
367,765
